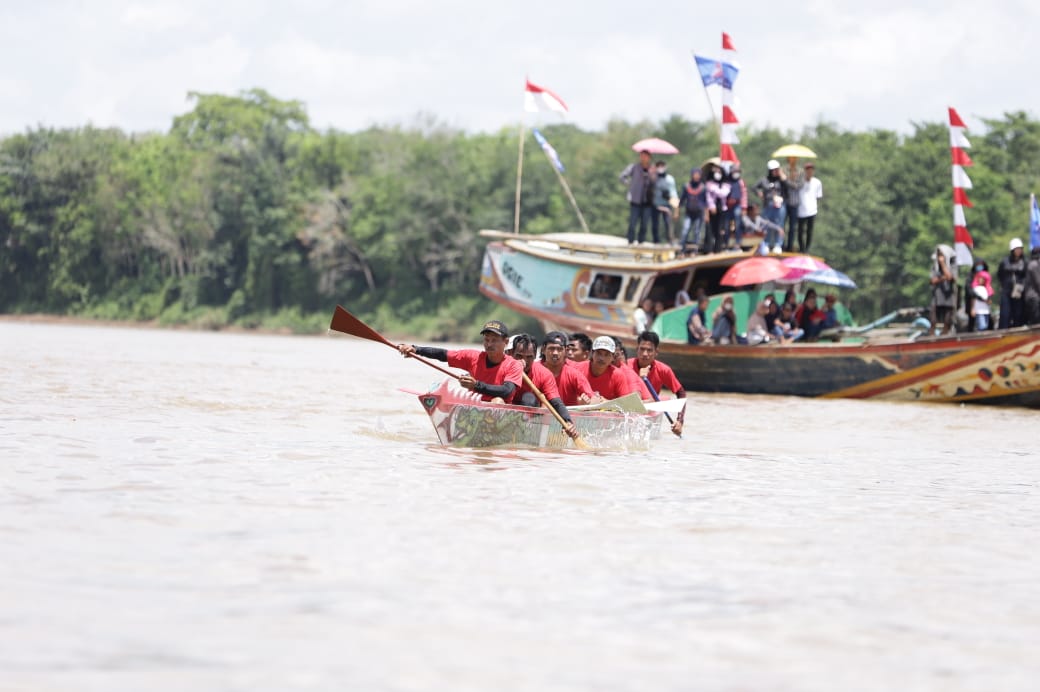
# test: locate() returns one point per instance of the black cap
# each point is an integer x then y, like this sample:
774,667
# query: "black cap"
496,327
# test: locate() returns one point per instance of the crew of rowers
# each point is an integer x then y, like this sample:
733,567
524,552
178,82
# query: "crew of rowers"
573,370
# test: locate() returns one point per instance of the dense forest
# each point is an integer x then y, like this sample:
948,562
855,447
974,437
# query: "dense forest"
243,214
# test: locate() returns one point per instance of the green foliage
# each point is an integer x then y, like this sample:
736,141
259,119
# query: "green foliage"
242,215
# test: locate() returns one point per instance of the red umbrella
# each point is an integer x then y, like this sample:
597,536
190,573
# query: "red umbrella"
801,265
754,270
655,146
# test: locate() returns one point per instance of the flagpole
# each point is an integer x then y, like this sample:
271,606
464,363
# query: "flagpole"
519,177
570,196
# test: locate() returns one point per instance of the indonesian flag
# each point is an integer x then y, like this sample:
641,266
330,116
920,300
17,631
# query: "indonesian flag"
959,157
538,98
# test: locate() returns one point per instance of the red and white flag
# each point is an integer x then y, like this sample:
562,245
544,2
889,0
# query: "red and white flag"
959,158
538,98
728,131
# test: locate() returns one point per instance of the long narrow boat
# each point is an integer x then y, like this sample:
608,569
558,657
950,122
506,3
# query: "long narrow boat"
461,419
591,283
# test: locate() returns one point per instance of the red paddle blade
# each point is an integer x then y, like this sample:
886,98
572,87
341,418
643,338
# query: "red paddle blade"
343,321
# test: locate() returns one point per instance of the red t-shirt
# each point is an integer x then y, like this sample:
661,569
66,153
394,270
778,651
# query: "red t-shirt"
476,364
661,376
543,379
611,384
572,384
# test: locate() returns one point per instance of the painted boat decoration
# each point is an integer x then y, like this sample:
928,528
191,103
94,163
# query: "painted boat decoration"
461,419
590,283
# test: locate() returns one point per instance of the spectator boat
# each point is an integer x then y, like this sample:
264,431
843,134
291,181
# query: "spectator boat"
461,419
592,283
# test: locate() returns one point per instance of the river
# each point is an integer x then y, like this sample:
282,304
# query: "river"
215,511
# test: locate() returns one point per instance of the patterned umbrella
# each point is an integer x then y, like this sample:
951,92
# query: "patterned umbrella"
830,277
800,265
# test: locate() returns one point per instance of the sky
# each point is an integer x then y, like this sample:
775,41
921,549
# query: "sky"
359,63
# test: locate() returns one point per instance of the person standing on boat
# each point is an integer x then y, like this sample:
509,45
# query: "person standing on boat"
606,380
809,194
736,208
489,373
1012,277
659,375
574,389
792,199
1031,293
543,381
772,190
640,178
944,291
717,190
666,200
692,201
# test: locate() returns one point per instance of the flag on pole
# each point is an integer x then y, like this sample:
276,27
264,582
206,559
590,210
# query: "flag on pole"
1034,223
728,130
548,149
958,143
716,72
538,98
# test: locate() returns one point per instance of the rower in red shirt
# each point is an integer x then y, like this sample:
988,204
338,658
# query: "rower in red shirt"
540,377
658,374
633,377
606,380
488,373
573,386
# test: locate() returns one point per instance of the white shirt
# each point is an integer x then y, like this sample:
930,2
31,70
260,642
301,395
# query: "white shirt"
811,190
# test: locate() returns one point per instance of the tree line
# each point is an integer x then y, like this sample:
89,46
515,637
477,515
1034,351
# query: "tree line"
244,214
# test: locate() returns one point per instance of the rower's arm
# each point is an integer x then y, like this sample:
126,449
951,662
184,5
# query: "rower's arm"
557,403
504,390
431,352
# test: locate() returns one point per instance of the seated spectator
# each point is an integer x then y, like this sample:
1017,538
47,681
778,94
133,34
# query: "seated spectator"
697,331
772,313
808,317
830,311
785,330
643,317
791,298
682,298
770,234
725,321
757,332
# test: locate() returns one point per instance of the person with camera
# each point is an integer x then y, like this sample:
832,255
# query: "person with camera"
944,291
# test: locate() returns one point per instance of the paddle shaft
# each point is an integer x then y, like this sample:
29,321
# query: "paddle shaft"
343,321
653,393
578,442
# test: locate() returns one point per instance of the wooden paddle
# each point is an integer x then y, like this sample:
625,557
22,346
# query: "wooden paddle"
653,393
343,321
578,442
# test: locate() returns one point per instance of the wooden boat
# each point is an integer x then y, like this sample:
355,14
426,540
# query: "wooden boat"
591,283
461,419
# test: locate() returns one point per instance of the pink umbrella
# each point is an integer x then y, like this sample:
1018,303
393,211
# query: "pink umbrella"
655,146
754,270
801,265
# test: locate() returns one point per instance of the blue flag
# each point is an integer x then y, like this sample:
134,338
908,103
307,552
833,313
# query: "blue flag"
716,72
548,149
1034,225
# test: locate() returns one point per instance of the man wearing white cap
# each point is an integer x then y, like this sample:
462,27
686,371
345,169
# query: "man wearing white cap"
606,380
1011,274
772,190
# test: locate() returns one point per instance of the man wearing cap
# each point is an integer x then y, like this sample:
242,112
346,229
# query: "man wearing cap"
573,387
604,378
1011,274
772,190
656,373
489,373
542,379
